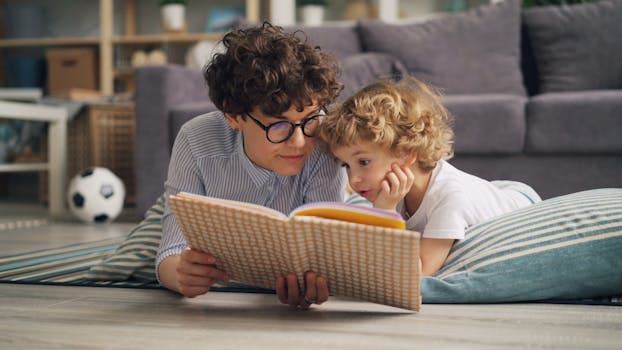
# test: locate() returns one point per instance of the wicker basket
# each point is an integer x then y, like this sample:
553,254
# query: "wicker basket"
102,135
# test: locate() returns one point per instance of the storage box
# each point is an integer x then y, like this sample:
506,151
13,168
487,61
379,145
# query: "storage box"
102,135
71,68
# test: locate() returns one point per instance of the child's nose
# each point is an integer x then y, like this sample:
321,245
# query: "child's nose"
355,178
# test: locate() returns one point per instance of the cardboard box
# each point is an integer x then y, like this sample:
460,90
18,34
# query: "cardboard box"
71,68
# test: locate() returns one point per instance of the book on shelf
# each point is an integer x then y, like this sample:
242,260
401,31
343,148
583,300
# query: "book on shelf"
364,253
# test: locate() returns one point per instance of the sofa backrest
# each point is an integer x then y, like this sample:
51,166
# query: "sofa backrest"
577,47
339,40
472,52
503,48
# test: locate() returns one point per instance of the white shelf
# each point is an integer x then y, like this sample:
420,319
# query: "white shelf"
23,167
57,147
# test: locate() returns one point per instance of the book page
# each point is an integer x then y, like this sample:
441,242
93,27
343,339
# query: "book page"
256,208
365,262
252,247
351,213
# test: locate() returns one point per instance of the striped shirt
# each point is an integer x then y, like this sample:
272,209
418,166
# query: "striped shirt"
208,158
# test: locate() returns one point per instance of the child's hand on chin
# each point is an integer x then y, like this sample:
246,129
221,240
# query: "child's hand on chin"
395,186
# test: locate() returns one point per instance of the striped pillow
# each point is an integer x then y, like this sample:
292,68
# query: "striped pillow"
134,259
563,248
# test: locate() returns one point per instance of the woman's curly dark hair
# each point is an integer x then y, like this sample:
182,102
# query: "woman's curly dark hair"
267,67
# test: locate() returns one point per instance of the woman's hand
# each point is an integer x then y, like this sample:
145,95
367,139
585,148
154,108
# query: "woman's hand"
315,290
395,186
196,272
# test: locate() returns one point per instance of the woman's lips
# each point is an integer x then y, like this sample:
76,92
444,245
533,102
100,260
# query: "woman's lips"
295,158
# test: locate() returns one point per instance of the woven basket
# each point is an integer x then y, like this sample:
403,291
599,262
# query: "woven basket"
102,135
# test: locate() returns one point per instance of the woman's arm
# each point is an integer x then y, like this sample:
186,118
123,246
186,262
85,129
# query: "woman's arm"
191,273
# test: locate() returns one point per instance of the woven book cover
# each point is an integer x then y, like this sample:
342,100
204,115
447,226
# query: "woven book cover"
255,244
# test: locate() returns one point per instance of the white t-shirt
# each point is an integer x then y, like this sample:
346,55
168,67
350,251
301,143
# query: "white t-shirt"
456,200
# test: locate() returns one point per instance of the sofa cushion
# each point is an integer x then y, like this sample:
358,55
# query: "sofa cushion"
487,123
575,122
476,51
576,47
339,40
362,69
183,112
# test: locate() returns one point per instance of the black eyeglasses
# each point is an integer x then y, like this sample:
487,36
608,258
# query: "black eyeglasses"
281,131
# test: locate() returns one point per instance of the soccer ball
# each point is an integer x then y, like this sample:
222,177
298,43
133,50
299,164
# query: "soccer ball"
96,195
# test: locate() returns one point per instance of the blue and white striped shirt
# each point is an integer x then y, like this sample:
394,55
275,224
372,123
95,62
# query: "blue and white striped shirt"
208,158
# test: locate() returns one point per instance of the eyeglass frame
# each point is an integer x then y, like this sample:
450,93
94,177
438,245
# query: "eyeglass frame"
293,126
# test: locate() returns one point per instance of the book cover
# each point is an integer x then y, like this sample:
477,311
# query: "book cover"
255,244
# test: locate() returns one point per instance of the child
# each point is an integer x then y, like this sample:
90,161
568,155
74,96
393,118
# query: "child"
270,88
394,140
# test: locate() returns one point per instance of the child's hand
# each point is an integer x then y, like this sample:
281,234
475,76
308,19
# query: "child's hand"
395,186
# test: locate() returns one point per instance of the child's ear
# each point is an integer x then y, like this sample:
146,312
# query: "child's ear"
234,120
410,160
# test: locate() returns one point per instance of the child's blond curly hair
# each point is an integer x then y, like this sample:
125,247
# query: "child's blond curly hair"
406,118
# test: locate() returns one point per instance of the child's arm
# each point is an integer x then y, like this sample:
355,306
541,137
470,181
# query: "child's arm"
395,186
433,252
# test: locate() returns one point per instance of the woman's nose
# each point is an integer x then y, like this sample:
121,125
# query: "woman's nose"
297,139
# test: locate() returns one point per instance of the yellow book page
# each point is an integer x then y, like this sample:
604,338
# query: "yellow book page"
352,213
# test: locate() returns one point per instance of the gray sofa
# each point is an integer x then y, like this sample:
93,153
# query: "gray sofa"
533,94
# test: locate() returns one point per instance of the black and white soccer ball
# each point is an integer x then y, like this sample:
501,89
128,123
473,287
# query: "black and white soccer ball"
96,195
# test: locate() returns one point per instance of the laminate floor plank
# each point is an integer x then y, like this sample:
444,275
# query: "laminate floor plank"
118,318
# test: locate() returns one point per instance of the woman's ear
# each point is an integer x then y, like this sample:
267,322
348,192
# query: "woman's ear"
234,120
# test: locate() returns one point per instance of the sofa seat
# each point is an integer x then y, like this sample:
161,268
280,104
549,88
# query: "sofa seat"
575,122
488,123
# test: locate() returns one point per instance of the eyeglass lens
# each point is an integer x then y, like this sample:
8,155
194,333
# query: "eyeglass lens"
281,131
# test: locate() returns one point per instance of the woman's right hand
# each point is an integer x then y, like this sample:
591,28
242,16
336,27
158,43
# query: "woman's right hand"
196,272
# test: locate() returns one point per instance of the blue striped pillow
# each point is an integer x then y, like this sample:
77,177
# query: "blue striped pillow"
563,248
134,259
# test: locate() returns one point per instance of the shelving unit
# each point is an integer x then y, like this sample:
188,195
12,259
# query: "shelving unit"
106,41
9,43
110,42
57,147
162,38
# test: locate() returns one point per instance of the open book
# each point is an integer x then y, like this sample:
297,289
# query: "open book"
364,253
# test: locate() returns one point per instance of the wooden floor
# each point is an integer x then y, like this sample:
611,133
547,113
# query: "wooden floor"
41,317
38,317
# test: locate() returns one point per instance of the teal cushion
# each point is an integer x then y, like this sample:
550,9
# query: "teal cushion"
134,259
563,248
